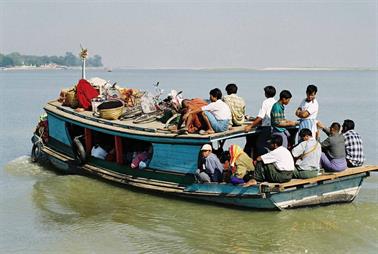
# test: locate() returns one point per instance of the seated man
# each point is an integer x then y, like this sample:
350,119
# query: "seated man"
236,104
216,115
308,154
210,169
353,145
241,165
276,166
333,155
193,121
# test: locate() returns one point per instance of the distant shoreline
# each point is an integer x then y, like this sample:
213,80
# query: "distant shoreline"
58,67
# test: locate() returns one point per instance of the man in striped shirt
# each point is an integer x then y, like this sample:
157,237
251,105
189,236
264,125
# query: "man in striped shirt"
278,120
353,145
236,104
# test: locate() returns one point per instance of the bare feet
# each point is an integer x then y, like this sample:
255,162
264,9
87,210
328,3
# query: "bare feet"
203,132
250,183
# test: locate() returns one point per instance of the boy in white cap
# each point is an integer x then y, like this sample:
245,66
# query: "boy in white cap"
210,169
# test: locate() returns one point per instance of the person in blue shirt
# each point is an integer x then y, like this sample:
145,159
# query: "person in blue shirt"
210,169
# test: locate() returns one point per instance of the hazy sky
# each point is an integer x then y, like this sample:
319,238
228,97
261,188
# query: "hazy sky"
252,34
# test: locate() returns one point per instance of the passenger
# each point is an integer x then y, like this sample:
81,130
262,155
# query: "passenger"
308,154
308,111
236,104
277,166
279,123
216,115
141,159
98,152
333,155
353,145
263,121
241,165
193,121
210,169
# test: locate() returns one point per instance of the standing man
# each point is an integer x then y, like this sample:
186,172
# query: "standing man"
278,120
353,145
236,104
308,111
263,121
308,154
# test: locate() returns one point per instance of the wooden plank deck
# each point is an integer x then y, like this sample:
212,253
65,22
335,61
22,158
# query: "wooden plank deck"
278,187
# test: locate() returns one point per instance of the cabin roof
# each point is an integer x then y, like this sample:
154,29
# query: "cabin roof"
155,128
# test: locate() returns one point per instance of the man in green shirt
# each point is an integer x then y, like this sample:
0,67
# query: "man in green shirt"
278,120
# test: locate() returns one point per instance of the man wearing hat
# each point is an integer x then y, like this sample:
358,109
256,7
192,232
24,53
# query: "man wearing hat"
210,169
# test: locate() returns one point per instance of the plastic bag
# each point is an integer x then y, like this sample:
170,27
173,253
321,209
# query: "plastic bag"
147,103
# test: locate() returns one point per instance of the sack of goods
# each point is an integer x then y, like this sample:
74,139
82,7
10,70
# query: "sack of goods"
68,98
147,103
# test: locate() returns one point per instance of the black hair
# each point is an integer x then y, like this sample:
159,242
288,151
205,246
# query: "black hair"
216,93
276,139
348,125
305,132
270,91
311,89
336,126
285,94
231,88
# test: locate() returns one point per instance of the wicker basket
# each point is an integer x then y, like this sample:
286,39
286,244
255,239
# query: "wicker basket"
111,113
71,99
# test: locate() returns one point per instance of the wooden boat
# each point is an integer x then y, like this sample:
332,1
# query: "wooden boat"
174,162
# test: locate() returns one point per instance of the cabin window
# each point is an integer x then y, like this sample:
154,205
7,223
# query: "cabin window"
134,153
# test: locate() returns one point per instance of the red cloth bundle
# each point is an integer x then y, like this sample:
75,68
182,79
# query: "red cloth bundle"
85,93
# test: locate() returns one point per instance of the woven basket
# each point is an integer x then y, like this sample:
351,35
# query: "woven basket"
111,113
71,99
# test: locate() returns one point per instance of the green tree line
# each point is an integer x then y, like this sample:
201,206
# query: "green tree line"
16,59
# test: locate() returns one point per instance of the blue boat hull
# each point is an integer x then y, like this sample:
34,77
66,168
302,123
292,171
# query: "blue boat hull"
341,190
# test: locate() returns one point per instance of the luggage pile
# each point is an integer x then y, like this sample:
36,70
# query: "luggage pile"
110,101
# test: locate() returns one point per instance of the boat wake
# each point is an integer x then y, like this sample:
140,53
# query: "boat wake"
22,166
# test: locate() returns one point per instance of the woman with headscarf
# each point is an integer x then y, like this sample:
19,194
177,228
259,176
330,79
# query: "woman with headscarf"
241,165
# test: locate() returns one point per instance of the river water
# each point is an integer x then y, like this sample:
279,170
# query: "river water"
44,212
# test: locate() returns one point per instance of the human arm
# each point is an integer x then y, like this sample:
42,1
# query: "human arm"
326,144
256,122
286,123
302,113
298,150
321,126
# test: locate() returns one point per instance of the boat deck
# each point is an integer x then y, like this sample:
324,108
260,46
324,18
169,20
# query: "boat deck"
154,128
326,176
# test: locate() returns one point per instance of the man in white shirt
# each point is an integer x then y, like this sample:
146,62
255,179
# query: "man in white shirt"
308,111
276,166
217,114
263,122
308,154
